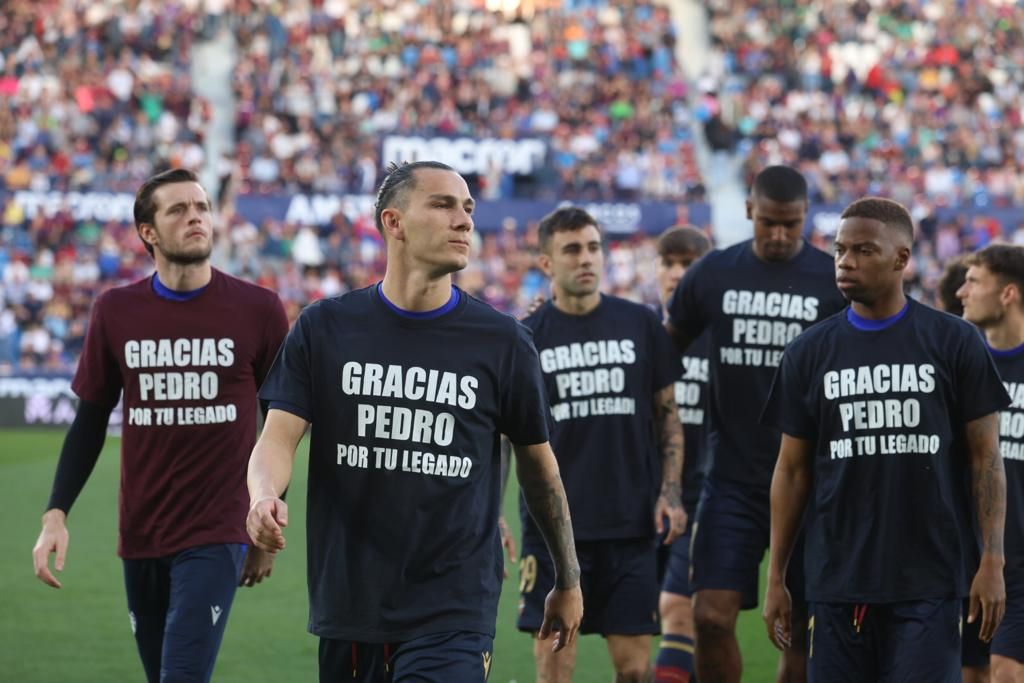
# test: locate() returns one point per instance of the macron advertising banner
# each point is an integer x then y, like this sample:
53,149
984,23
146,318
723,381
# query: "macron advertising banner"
42,401
618,218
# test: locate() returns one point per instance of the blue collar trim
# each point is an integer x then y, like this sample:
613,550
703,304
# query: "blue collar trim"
875,325
165,292
1005,353
421,315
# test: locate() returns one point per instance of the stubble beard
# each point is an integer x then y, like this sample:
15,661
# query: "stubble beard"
188,258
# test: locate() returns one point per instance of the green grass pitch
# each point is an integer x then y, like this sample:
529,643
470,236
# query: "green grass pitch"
81,634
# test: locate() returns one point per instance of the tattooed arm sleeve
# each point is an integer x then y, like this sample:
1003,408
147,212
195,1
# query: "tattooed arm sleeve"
988,482
545,498
670,444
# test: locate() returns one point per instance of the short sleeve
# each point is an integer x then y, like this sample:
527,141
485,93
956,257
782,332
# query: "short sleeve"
525,416
979,390
289,384
664,355
685,310
98,376
274,332
788,405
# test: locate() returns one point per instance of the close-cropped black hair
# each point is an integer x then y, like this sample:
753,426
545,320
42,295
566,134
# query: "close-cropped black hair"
780,184
565,219
892,214
399,181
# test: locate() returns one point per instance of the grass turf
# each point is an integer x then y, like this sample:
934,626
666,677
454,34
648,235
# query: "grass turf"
81,634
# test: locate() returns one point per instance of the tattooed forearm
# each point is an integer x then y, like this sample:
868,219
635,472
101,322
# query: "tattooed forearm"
670,443
545,499
988,482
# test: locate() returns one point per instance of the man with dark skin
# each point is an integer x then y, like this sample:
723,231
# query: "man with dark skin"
751,299
886,409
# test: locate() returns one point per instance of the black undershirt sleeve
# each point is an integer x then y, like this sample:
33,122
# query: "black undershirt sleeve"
78,457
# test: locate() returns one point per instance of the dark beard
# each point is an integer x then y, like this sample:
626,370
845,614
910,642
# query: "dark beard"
186,259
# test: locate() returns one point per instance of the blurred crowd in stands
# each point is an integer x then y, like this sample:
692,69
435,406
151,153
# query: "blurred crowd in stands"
317,88
874,96
919,101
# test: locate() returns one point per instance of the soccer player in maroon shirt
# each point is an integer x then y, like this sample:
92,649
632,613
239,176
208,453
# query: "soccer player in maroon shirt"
188,347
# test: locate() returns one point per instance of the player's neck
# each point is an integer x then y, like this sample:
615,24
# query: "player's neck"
1008,334
415,291
884,307
184,278
576,305
761,257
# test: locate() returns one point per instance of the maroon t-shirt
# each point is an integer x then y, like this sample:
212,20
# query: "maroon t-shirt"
189,371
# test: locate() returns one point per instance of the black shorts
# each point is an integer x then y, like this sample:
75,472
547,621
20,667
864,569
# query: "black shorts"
974,650
1009,638
618,579
457,657
676,574
900,642
730,537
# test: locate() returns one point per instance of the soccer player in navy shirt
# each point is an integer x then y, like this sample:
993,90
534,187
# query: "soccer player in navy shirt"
751,299
408,386
678,248
188,346
889,414
974,657
993,299
609,372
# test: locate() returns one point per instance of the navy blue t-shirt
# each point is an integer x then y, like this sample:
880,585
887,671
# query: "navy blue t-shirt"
752,309
1011,443
601,371
404,488
889,517
692,399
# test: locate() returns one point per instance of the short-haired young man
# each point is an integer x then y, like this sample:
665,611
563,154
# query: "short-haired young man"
889,414
188,346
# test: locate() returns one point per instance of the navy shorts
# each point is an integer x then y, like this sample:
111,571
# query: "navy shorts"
457,657
676,575
900,642
974,651
618,579
178,607
1009,638
730,537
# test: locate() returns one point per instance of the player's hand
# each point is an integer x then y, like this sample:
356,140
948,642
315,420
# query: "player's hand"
778,610
563,612
267,517
669,508
52,539
507,542
988,598
258,565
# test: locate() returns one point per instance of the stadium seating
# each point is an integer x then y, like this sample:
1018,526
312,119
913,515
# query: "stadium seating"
910,100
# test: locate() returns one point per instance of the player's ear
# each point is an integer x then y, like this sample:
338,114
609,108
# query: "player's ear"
750,210
544,263
147,233
902,257
391,219
1010,295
